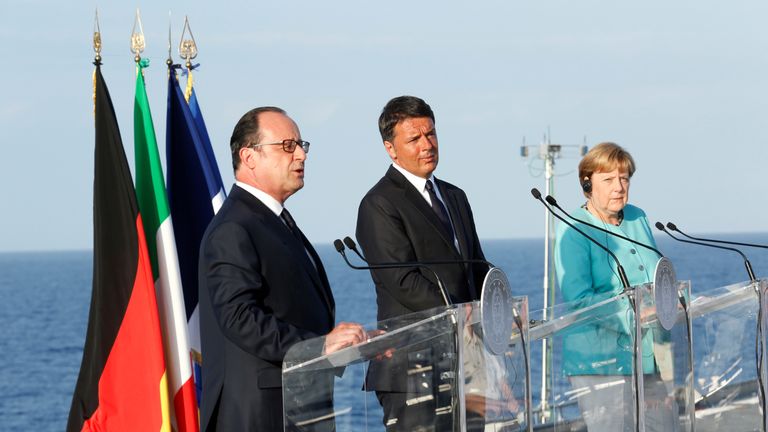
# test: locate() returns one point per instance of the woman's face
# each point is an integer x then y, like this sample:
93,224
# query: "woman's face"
610,193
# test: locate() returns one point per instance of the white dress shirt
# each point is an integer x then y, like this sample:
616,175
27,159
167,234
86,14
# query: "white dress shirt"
421,186
273,205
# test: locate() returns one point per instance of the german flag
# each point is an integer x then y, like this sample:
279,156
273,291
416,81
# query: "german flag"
122,382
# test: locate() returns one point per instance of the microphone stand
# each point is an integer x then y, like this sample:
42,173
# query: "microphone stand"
340,249
637,358
748,265
674,227
554,203
622,274
680,295
760,315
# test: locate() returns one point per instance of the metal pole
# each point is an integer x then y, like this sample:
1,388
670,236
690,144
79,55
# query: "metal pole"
549,163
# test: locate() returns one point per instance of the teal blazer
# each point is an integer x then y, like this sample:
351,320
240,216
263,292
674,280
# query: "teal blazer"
586,275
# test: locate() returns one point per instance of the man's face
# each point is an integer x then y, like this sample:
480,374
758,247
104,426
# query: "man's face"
414,146
272,169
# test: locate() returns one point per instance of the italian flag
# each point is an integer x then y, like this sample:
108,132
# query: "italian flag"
158,230
122,381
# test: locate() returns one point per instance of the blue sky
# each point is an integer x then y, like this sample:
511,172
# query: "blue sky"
682,85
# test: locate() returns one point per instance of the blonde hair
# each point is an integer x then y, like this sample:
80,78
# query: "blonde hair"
605,157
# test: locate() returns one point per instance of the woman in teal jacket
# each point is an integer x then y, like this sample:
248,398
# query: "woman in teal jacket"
597,356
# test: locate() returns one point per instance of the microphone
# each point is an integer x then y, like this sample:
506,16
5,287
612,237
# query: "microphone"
751,274
759,332
622,274
353,246
673,227
340,249
553,202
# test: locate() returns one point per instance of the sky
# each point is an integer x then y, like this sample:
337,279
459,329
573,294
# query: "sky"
682,85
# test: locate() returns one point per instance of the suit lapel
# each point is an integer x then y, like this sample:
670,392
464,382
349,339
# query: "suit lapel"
452,202
274,224
414,197
321,279
462,234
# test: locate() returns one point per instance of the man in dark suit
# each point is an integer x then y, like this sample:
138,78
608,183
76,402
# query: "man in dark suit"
409,216
262,285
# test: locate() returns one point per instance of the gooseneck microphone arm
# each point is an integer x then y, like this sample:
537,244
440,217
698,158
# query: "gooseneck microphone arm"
624,281
759,331
340,249
674,227
351,245
622,274
747,264
553,202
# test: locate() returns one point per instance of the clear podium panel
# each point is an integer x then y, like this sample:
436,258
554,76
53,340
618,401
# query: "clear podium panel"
433,369
496,385
729,349
667,362
591,364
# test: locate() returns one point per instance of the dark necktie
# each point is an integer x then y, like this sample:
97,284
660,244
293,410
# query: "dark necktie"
288,219
439,208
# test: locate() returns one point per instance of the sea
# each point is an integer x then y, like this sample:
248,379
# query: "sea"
46,296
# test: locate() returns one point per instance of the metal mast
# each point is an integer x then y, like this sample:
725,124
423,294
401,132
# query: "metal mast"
548,152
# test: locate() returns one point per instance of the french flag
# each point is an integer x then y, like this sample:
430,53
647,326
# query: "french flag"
195,194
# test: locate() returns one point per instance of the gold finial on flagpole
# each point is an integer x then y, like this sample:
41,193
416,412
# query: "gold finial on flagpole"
187,47
97,38
137,38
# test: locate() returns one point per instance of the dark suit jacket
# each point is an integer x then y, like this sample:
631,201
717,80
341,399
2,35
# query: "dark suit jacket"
259,295
395,224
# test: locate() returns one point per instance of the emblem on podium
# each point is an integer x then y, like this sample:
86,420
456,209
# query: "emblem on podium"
496,311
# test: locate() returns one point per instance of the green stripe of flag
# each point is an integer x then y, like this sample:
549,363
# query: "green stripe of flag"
150,186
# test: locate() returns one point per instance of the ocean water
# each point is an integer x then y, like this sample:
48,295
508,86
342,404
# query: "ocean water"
45,300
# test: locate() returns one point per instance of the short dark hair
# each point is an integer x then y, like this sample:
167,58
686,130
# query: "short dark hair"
401,108
247,131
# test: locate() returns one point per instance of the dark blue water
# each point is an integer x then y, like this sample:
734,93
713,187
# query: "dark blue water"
45,299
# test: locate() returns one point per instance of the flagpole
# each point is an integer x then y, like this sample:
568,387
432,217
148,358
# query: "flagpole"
122,373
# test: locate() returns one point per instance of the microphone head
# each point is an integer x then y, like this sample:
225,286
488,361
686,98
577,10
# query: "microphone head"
350,243
551,200
671,226
659,226
338,245
536,194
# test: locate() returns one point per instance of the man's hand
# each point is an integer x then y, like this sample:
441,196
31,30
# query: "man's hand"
344,335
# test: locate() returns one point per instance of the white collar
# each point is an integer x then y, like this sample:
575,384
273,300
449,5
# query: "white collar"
264,197
418,182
